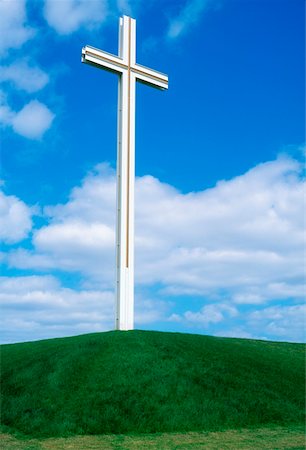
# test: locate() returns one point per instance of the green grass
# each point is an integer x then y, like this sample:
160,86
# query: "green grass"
255,439
147,382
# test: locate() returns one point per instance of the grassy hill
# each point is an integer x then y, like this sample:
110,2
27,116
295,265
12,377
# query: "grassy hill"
144,382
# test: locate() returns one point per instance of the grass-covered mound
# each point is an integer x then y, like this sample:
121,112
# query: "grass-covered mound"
140,381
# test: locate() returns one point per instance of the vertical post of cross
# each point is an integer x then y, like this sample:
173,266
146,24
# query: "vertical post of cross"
125,179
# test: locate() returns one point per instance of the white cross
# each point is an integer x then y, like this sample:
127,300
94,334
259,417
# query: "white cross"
129,72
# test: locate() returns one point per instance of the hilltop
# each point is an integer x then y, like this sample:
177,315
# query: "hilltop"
144,382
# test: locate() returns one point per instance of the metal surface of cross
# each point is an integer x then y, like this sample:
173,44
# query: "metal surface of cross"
129,72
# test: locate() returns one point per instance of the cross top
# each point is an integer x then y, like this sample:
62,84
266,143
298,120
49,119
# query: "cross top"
128,72
126,61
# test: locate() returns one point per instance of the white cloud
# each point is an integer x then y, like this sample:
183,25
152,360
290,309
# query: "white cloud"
24,76
21,258
14,31
286,322
93,201
81,235
15,219
243,237
278,291
68,16
278,322
75,237
150,311
37,307
239,243
21,285
32,121
6,114
78,246
187,17
212,313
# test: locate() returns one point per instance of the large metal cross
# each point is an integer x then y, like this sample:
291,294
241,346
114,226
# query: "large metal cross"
129,72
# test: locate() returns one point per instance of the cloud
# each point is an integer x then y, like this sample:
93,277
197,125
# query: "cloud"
20,285
6,114
14,31
70,15
32,121
36,307
97,188
75,237
149,311
244,237
278,322
187,17
81,235
39,307
212,313
285,322
237,245
24,76
278,290
78,246
15,219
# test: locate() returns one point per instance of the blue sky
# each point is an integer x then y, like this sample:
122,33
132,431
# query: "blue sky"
219,165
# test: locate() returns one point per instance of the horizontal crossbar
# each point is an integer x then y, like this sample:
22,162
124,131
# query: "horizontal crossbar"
107,61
